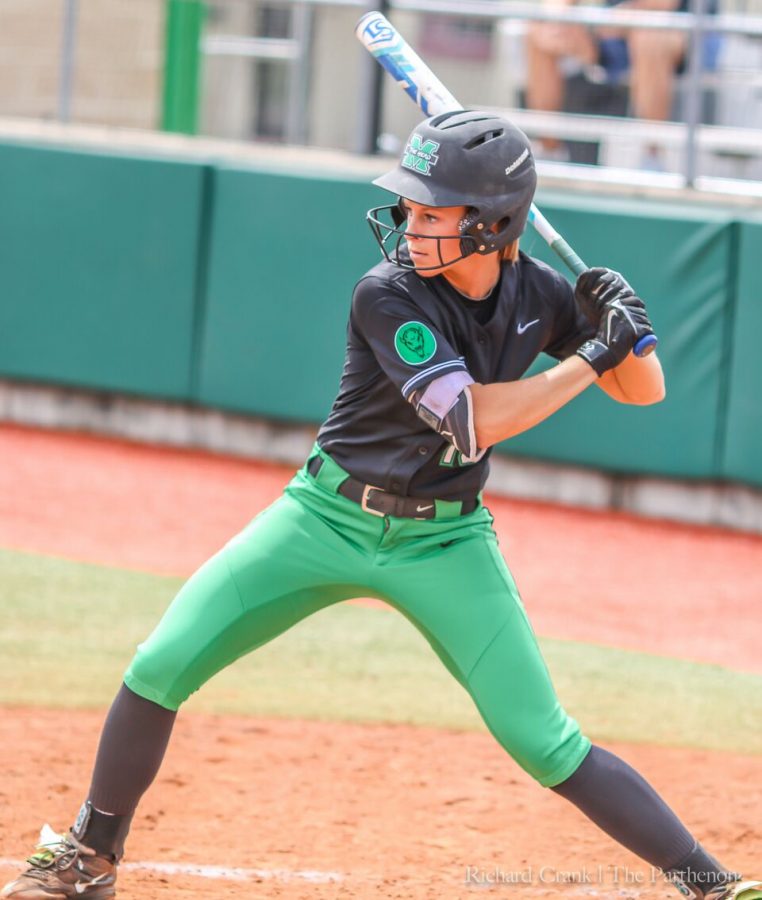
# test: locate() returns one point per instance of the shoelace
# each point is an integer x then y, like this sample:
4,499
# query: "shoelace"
58,855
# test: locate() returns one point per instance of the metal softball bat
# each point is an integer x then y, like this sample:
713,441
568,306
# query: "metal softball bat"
393,52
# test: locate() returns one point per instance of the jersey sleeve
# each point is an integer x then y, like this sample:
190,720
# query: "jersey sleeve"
571,328
408,347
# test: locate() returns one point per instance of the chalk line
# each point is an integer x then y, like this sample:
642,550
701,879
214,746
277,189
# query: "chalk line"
226,873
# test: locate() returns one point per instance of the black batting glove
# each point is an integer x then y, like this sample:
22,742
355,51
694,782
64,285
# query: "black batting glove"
622,324
597,287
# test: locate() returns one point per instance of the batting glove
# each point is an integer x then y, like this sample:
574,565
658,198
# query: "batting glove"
597,287
622,324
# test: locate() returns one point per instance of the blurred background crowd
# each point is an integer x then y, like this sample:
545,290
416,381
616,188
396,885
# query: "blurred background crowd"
661,88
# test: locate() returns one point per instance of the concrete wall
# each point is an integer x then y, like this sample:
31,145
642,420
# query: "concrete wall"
29,50
228,97
117,80
336,76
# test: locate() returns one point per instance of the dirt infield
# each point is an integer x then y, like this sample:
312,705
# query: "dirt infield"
257,808
317,810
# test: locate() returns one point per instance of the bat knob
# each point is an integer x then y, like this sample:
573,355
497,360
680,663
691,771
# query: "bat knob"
647,344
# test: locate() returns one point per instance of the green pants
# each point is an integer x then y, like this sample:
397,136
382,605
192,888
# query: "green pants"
314,547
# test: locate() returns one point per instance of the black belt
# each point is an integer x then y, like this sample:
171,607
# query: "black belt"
379,502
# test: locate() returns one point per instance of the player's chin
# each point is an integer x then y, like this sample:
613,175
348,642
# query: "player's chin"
426,266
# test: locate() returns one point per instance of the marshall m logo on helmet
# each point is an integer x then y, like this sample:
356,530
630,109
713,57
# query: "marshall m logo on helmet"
420,155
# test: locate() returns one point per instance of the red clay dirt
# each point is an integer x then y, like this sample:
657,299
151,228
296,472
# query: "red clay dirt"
393,811
385,811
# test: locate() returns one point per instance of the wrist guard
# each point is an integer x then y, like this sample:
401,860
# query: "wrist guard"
598,355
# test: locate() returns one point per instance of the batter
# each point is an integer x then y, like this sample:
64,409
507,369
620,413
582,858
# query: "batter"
389,503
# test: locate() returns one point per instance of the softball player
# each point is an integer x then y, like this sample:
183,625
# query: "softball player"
389,503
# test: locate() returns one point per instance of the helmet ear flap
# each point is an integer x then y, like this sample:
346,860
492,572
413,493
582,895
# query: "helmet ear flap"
480,239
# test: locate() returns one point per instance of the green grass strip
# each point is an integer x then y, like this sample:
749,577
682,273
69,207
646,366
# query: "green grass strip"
68,630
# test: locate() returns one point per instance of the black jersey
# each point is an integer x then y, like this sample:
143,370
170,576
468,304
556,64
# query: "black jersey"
406,331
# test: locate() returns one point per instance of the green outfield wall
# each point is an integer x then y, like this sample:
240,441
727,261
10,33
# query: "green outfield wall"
284,254
98,269
679,259
228,285
741,431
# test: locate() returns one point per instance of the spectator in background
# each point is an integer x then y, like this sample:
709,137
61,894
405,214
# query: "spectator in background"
651,57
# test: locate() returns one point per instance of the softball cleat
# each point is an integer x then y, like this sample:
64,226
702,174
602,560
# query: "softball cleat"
737,890
61,868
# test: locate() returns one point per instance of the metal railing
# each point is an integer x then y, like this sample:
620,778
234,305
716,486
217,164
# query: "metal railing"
695,23
295,52
585,15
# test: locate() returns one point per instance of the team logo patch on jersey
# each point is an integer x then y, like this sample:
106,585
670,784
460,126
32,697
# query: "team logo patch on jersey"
415,343
420,155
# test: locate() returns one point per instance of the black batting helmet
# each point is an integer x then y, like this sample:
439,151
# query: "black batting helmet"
464,158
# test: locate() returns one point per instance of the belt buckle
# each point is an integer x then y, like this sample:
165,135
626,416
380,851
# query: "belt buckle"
364,501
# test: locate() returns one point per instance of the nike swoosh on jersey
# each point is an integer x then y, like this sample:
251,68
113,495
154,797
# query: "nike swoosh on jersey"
520,329
424,508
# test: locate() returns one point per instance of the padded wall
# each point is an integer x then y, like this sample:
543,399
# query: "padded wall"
742,432
285,254
230,286
678,260
98,259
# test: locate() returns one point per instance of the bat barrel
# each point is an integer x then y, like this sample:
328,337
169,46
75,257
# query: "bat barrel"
399,59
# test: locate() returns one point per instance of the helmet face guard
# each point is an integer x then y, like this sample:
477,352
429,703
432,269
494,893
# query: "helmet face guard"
388,227
466,158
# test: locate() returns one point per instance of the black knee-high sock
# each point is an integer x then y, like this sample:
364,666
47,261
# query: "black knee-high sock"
622,803
130,753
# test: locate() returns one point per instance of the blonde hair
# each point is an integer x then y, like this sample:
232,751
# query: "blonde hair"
511,252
